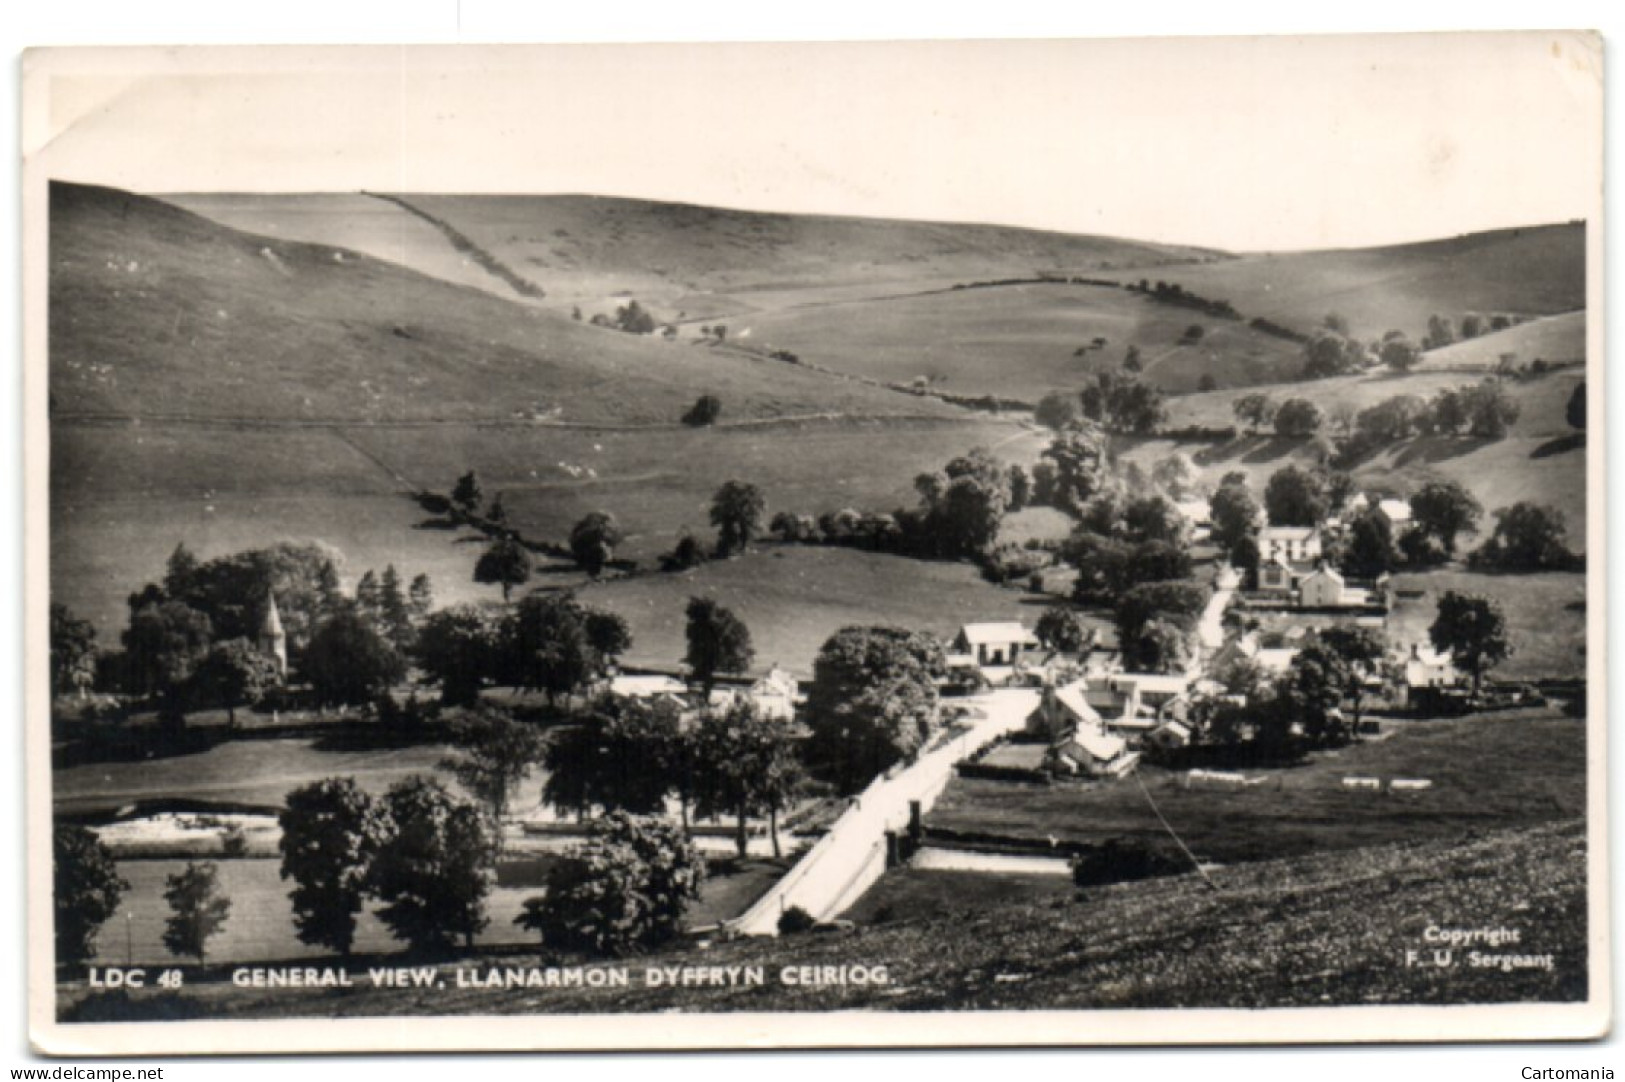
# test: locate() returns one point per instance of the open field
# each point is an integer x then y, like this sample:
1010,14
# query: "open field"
256,772
1328,928
1546,617
1498,771
260,926
793,597
1536,271
915,894
1018,341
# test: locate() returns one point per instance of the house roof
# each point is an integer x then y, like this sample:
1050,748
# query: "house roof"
1072,696
638,686
1275,659
1098,744
1395,510
1286,533
990,634
1326,573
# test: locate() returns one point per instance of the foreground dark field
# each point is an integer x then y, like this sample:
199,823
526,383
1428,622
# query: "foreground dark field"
1331,928
1493,772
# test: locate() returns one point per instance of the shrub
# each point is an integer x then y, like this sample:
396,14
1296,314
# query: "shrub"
705,411
795,920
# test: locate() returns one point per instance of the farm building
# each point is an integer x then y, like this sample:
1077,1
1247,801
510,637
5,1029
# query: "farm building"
774,695
1093,753
1397,513
1062,710
1321,588
646,686
1286,555
994,645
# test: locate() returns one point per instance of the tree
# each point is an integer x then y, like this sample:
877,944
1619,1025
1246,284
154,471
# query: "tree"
1330,353
1371,546
1335,323
1575,413
1208,382
1313,689
1131,360
198,909
494,755
85,891
1391,420
1295,497
1365,652
505,563
558,646
467,494
234,673
1474,630
1021,487
330,831
718,642
1235,515
873,701
1178,605
1063,630
180,571
1443,509
394,610
1472,325
1123,402
165,642
1081,467
633,318
1447,412
745,765
73,651
1298,417
433,866
965,521
459,648
349,662
420,598
1527,537
625,755
1057,410
1490,410
1400,354
736,512
625,890
705,411
1176,475
593,540
1440,333
1254,410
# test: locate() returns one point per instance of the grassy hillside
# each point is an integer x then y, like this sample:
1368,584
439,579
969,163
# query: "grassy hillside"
1553,339
1329,928
1534,271
1020,341
155,311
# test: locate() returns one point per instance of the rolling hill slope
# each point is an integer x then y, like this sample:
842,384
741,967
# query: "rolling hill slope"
588,250
156,311
1531,272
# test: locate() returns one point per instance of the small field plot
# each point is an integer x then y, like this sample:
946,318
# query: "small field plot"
1546,617
794,597
1019,341
913,894
256,772
1502,770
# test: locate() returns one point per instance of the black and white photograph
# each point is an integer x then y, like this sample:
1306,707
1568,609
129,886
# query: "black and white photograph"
853,544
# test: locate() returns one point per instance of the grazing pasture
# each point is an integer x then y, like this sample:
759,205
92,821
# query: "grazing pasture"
1019,341
1534,271
1546,617
1510,769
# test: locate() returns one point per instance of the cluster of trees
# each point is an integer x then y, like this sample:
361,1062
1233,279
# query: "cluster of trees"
193,639
1121,542
1175,294
1118,401
1442,331
1483,411
1331,351
548,642
630,317
1334,669
1527,537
